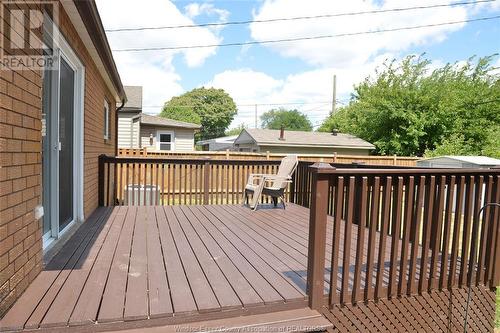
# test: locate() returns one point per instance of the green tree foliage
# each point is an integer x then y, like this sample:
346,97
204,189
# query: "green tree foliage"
213,108
236,130
409,109
292,120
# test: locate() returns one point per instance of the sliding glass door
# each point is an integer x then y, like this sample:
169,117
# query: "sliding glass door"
62,143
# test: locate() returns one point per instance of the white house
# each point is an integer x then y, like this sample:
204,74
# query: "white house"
140,130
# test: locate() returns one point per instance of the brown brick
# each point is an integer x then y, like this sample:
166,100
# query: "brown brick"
5,187
5,130
6,244
20,235
16,278
15,252
20,261
19,133
6,274
3,231
4,261
18,184
4,291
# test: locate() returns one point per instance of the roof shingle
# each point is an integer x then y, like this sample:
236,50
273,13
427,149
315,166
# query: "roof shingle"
301,138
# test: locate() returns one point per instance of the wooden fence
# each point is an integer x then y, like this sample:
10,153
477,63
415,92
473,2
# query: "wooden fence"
234,155
173,181
417,230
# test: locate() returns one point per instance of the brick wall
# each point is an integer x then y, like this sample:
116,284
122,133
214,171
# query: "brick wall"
20,181
21,168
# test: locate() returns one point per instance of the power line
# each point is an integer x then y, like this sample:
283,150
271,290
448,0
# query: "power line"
216,24
308,38
251,104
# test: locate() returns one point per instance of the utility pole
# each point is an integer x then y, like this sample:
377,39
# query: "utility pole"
334,97
256,118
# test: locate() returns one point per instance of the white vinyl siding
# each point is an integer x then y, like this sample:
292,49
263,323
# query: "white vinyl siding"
183,138
128,130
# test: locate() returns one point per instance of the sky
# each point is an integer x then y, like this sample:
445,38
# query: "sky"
294,74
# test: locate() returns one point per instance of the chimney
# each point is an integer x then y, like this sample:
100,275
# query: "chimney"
282,132
335,131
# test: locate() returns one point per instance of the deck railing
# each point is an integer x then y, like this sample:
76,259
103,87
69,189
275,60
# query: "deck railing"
169,181
417,230
172,181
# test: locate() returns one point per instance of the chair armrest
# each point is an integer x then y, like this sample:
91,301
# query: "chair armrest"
256,176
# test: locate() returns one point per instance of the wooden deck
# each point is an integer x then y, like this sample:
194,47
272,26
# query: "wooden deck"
132,267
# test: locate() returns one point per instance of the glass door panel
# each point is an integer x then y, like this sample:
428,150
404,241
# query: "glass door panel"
66,139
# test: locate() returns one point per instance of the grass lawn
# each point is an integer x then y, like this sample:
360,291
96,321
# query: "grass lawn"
497,316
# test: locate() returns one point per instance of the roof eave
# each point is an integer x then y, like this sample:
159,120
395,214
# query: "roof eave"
312,145
92,21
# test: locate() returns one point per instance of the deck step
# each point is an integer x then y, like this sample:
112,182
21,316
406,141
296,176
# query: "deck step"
298,320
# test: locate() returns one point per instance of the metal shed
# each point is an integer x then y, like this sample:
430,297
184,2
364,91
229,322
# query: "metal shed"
459,162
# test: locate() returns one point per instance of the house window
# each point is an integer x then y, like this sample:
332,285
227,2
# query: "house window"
165,141
106,120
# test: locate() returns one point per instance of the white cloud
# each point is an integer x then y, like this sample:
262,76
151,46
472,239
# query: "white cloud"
154,70
311,90
352,50
195,9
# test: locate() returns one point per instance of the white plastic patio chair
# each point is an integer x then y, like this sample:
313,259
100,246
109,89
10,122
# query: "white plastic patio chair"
271,185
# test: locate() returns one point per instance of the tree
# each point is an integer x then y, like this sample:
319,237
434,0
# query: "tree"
236,130
292,120
407,109
213,108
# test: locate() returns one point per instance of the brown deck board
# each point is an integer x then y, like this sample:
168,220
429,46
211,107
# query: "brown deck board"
160,303
88,304
285,289
182,297
38,293
202,291
136,297
241,286
260,285
222,289
113,299
132,266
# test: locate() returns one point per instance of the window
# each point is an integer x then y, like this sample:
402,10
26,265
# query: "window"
106,120
165,141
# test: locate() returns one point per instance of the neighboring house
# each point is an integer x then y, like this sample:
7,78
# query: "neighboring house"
217,144
128,118
300,142
459,162
140,130
53,126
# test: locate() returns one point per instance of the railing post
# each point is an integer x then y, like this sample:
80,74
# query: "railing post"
317,235
206,182
100,181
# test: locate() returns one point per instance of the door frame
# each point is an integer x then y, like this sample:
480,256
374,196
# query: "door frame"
64,51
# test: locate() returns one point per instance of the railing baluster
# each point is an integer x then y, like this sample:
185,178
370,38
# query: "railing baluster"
415,236
374,217
386,206
456,231
427,228
407,227
436,232
360,246
450,193
346,263
466,230
478,197
337,221
397,203
488,198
